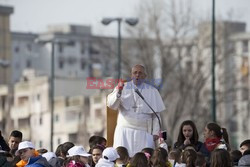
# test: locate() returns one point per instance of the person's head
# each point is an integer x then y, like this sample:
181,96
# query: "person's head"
235,156
188,157
25,150
95,140
174,155
78,154
65,147
189,131
124,156
139,160
110,154
14,139
42,151
213,130
148,152
160,157
200,160
245,145
220,157
96,152
138,74
58,151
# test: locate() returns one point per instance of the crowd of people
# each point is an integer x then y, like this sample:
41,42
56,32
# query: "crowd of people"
138,141
187,151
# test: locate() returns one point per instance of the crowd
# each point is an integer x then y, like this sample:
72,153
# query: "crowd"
138,141
187,151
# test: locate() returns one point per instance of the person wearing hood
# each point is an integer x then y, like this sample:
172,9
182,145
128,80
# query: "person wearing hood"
29,156
109,156
245,159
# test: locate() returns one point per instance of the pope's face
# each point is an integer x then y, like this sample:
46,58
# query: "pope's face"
138,75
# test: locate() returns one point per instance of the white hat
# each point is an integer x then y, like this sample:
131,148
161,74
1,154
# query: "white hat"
49,155
23,145
78,150
110,154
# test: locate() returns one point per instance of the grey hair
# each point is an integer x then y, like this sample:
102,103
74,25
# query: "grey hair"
141,65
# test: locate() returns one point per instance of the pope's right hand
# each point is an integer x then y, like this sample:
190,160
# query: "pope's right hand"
120,86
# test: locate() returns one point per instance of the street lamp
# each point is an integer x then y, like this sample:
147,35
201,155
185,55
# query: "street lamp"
52,87
213,63
129,21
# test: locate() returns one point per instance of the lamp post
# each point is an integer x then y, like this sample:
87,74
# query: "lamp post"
53,43
213,63
129,21
4,64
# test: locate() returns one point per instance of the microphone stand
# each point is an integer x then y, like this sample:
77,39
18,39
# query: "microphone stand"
139,93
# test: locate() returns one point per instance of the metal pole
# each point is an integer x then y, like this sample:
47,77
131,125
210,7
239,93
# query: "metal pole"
119,48
213,64
52,95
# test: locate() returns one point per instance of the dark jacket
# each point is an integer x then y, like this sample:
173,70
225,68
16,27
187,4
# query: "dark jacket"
38,161
4,162
3,144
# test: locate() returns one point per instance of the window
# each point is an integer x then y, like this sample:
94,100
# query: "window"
60,47
3,101
40,144
56,118
58,141
60,64
29,48
245,46
98,113
38,97
97,100
28,63
41,120
73,137
82,48
17,49
83,64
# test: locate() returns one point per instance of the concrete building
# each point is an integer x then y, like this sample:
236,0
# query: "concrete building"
241,106
78,114
5,44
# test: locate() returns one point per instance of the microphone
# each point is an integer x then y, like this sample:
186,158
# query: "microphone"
139,93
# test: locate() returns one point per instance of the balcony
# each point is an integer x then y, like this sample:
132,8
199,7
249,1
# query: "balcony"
20,112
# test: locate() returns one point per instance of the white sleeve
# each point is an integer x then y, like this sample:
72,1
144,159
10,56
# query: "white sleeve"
156,126
113,101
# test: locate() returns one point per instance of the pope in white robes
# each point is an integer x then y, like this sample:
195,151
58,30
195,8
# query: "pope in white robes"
137,126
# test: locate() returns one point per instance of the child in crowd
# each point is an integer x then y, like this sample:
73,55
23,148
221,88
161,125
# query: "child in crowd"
109,156
96,152
160,158
124,157
78,155
220,158
139,160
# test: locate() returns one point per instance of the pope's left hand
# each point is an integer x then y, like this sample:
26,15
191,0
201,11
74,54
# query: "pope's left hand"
156,137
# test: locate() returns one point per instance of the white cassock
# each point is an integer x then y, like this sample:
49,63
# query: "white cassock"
136,123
